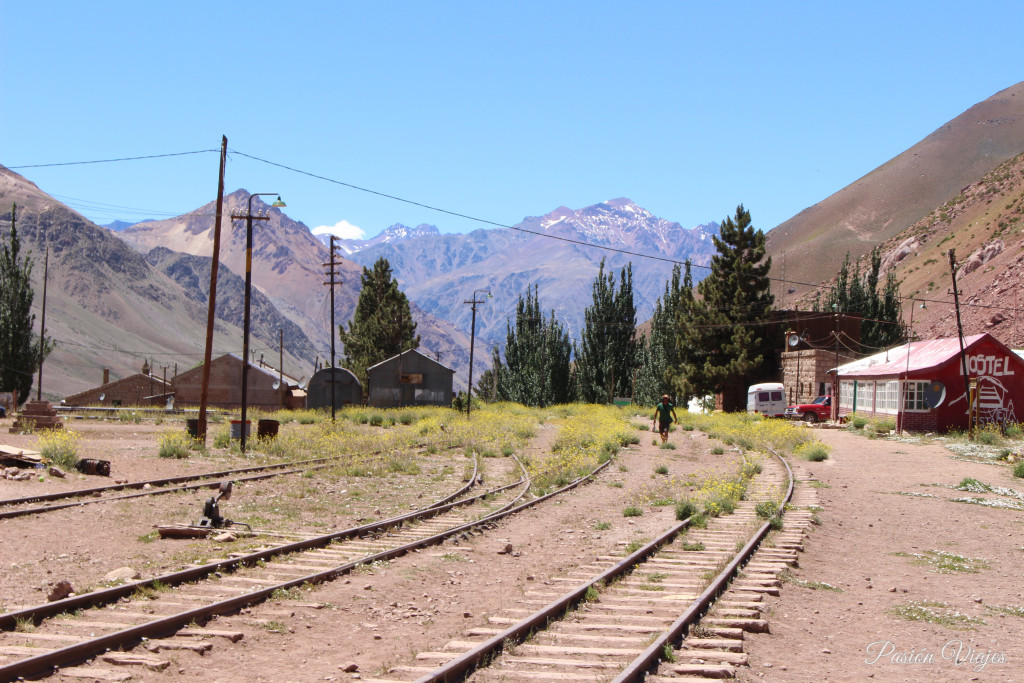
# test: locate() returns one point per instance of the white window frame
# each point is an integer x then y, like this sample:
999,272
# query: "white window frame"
865,397
913,396
887,397
846,394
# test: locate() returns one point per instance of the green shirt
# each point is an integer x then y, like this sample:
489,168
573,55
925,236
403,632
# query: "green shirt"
664,411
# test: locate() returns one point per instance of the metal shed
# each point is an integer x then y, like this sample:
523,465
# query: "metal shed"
347,389
410,379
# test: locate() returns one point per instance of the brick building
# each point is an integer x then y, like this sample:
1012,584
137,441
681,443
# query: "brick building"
140,389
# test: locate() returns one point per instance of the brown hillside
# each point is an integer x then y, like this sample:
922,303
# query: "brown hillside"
812,244
984,226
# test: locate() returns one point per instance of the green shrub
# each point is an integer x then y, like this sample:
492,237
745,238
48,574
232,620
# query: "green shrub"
1018,470
767,509
814,451
632,511
222,439
685,508
717,450
59,447
661,469
988,437
857,421
885,426
176,444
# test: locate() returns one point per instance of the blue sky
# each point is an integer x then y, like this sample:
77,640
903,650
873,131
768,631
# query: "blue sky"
495,110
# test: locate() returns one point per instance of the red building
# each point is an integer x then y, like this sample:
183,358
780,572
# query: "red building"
921,385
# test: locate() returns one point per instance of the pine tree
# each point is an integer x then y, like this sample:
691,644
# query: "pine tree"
607,354
19,347
725,343
382,326
535,371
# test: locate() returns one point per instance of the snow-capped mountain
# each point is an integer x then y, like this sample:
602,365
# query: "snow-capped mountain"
440,272
394,233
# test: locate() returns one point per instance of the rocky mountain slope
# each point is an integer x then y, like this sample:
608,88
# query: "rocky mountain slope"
288,270
984,225
107,307
811,245
440,273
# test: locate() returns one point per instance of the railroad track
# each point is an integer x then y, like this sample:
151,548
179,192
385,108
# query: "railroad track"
156,487
632,614
36,641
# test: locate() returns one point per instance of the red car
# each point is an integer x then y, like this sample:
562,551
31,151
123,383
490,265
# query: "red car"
820,409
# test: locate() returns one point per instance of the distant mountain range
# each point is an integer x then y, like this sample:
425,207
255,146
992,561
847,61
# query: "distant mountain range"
441,272
111,306
394,233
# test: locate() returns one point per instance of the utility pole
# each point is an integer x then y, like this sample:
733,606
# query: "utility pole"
42,326
210,317
249,218
332,280
963,355
280,365
473,301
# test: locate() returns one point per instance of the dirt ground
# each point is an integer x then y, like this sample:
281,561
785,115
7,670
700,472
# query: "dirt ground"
887,516
889,531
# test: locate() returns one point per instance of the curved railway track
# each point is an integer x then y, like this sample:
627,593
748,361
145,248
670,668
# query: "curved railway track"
33,642
625,619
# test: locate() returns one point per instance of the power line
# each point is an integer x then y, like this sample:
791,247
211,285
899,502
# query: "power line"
110,161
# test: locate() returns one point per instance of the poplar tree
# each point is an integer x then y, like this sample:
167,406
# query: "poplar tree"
660,352
19,347
535,370
725,342
382,326
607,353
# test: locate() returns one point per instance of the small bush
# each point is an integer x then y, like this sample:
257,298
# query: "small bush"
406,418
661,469
717,450
667,446
1018,470
176,444
685,508
885,426
857,421
1014,430
987,437
603,526
814,451
222,439
59,447
767,509
632,511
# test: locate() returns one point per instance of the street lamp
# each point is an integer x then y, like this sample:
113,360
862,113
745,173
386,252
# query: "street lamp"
472,341
249,218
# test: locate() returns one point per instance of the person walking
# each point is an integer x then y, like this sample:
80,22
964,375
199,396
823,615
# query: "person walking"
664,414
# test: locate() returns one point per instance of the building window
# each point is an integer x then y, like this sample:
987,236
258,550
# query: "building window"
846,394
913,397
865,400
887,397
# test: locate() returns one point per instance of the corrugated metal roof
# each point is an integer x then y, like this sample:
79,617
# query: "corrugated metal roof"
923,355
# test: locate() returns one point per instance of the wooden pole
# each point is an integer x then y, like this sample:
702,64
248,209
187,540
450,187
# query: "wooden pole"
42,326
210,314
